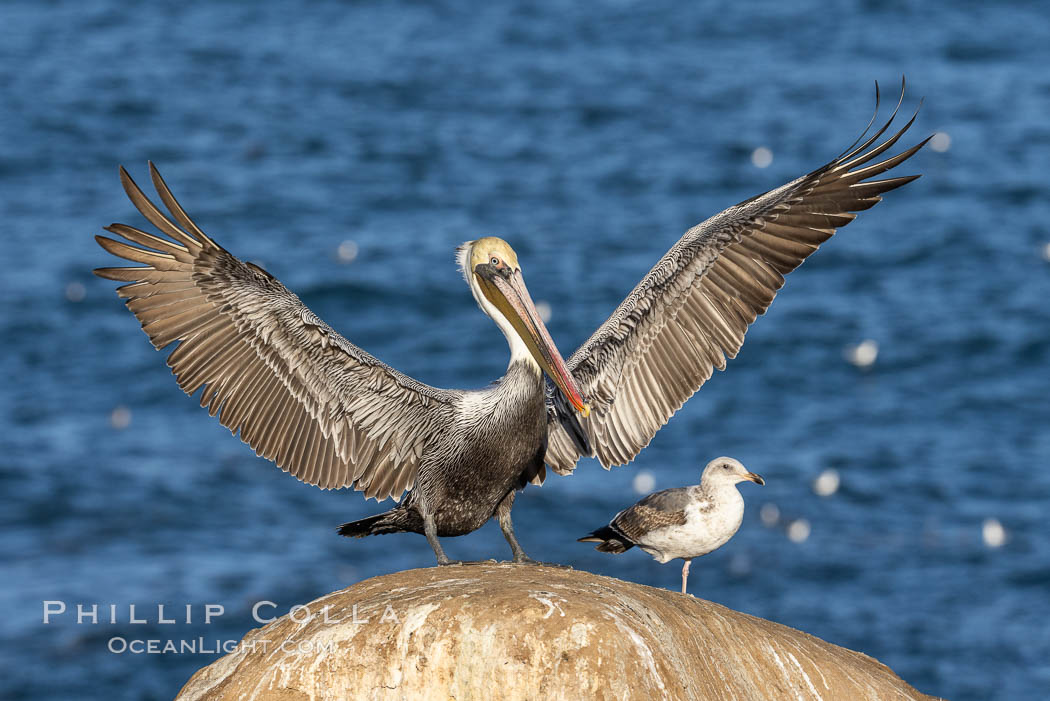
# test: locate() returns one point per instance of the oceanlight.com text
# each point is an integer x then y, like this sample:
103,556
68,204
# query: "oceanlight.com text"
209,646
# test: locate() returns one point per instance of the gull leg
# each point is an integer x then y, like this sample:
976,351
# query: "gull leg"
685,574
505,525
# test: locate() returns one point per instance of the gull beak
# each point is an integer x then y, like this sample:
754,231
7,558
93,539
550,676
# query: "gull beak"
506,289
757,479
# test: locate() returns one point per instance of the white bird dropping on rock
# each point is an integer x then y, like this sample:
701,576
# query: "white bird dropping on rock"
827,483
761,157
863,354
684,522
993,533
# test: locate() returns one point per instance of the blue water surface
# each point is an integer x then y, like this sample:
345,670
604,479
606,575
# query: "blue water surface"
590,136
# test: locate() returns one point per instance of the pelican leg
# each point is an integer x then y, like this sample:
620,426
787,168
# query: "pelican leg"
685,574
505,524
430,530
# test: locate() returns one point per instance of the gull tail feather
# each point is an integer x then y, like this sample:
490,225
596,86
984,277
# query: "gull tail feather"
609,541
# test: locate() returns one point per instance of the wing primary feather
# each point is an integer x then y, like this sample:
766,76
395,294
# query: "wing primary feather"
877,151
856,176
160,261
154,215
181,253
142,290
173,206
871,121
878,134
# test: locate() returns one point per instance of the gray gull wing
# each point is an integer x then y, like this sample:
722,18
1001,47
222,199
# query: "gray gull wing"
658,510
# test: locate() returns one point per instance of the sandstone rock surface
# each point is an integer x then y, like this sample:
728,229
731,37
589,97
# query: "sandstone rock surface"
503,631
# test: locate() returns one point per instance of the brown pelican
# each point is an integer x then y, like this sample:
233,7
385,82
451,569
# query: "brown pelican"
334,416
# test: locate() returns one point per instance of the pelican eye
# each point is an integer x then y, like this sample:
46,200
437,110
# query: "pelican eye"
494,261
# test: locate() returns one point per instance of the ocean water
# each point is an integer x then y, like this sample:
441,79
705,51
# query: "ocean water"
348,148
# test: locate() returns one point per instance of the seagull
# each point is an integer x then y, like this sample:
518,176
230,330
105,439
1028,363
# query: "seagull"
684,522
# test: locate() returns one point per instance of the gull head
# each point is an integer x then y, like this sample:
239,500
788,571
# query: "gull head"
727,471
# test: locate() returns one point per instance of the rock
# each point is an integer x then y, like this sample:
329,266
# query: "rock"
508,631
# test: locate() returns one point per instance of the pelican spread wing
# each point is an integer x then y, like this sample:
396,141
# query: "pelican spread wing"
692,309
299,393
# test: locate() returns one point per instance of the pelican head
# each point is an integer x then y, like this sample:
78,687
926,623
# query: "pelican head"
491,268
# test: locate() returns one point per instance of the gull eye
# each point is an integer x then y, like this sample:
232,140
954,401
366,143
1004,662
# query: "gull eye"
494,260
